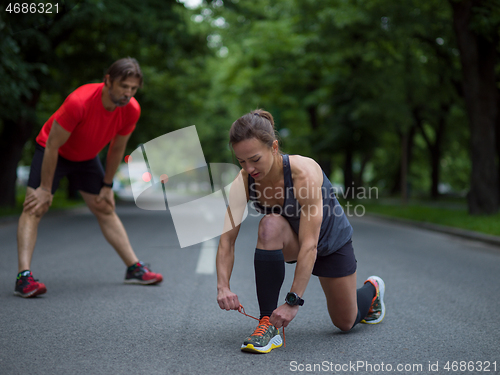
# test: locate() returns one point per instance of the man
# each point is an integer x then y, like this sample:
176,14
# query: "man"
68,144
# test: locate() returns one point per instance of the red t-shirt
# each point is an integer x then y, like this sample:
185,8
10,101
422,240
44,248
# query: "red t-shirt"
92,127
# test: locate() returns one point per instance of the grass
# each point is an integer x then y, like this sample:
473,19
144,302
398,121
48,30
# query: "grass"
442,213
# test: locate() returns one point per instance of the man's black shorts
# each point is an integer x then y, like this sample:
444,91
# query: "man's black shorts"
86,175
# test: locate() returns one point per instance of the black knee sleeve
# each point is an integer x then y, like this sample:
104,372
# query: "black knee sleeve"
269,275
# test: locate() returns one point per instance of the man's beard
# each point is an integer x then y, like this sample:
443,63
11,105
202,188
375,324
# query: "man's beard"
119,102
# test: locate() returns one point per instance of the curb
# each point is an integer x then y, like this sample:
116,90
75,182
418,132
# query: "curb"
468,234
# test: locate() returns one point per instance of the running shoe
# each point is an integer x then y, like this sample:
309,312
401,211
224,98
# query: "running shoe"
265,338
377,309
27,286
140,273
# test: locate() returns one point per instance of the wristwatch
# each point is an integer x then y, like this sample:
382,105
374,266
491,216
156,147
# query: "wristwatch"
293,299
107,185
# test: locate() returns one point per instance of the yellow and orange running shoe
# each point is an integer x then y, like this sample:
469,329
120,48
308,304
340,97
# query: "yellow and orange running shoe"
377,309
265,338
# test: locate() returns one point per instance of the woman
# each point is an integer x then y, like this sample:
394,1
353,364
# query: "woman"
303,223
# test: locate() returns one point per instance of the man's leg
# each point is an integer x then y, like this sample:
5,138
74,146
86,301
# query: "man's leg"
27,230
111,227
114,232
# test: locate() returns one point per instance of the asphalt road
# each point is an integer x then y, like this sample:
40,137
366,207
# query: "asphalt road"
442,302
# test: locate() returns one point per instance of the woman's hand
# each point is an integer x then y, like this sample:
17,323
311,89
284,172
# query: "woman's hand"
227,300
283,315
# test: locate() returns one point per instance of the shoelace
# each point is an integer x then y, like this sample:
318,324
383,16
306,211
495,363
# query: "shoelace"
141,267
242,311
146,268
261,328
30,279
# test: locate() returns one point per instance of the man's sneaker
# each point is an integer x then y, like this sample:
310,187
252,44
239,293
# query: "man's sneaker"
140,273
265,338
27,286
377,309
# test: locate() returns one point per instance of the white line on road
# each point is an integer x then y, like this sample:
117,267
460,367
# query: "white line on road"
206,260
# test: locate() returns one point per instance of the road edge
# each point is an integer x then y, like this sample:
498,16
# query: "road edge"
468,234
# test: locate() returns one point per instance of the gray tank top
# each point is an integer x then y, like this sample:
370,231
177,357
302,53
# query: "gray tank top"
336,230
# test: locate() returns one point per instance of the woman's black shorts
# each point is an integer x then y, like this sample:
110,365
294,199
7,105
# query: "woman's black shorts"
83,175
338,264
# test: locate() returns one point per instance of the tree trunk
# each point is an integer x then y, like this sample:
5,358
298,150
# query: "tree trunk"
12,139
477,55
349,188
404,168
498,142
11,148
396,187
366,159
435,147
435,171
436,152
323,157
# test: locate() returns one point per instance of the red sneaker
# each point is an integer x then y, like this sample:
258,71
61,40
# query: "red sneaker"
140,273
27,286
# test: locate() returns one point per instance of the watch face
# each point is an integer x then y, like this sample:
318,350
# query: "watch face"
291,299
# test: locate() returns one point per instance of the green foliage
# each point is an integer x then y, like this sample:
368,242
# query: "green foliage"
75,47
344,77
428,213
345,80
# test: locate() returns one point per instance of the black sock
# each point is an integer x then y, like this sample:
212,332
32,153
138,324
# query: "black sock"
364,296
269,275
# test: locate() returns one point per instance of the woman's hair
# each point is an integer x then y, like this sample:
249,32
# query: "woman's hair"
257,124
124,68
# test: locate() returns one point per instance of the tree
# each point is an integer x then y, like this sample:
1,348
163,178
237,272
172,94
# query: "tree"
280,54
356,84
476,26
42,56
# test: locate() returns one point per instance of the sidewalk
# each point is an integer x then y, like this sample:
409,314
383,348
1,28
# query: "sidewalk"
468,234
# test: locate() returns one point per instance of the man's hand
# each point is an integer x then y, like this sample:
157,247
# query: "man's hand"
107,195
283,315
35,202
227,300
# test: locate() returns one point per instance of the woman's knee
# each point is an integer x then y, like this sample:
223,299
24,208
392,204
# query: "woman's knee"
343,316
345,324
270,231
340,293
